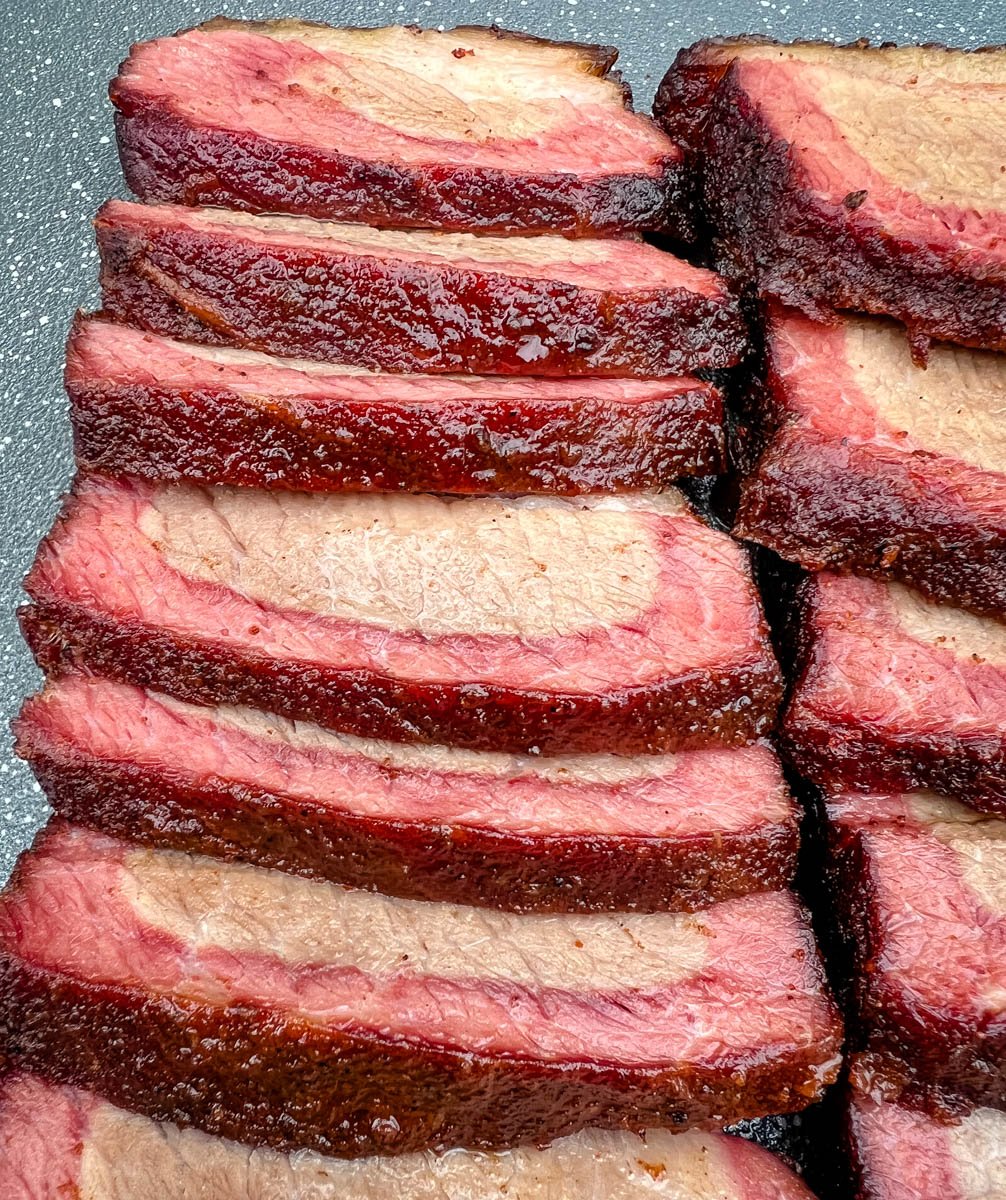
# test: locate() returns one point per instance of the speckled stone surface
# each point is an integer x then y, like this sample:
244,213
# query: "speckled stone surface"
59,163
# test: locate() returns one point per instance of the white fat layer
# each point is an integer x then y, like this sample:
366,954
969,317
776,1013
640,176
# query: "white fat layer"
420,564
930,809
968,637
247,910
978,1150
980,853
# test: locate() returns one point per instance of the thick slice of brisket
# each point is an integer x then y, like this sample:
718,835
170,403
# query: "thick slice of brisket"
896,693
413,301
920,887
59,1141
150,406
871,464
467,129
614,624
671,831
853,177
286,1012
902,1153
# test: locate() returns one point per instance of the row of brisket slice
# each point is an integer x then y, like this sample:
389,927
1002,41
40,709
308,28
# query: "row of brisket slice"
404,843
868,180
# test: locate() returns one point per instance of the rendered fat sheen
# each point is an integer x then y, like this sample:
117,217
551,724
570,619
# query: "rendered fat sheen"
962,634
249,911
531,569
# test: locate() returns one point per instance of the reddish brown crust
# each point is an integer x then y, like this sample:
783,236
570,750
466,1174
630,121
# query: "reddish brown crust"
261,1078
457,863
213,436
695,709
300,303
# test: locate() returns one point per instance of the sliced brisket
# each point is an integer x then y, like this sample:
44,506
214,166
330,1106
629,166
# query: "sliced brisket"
61,1142
921,892
150,406
416,301
467,129
614,624
431,822
853,177
896,693
284,1012
871,464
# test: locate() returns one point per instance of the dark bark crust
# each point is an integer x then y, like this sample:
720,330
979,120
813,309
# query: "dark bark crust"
419,860
306,304
732,707
258,1077
218,437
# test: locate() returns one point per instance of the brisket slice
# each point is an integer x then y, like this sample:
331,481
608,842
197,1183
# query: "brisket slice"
920,888
615,624
466,129
900,1153
872,465
896,693
58,1141
415,301
150,406
283,1012
853,177
430,822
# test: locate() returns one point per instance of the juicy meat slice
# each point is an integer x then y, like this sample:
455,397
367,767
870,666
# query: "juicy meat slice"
59,1141
896,693
853,177
615,624
901,1153
920,886
222,995
150,406
870,464
467,129
669,831
413,301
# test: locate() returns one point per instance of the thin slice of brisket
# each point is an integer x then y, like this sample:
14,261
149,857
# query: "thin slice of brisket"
283,1012
920,887
413,301
614,624
871,464
570,833
150,406
853,177
60,1142
467,129
896,693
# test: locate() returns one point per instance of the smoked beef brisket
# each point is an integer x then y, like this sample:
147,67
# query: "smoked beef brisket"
467,129
669,831
920,886
150,406
904,1154
413,301
871,464
613,624
896,693
57,1142
283,1012
853,177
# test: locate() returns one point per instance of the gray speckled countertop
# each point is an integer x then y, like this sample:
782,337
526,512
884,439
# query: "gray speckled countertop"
59,163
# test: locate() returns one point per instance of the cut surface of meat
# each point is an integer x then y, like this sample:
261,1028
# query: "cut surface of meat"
459,129
895,693
871,464
150,406
904,1154
415,300
921,891
351,1022
614,624
58,1141
853,177
669,831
